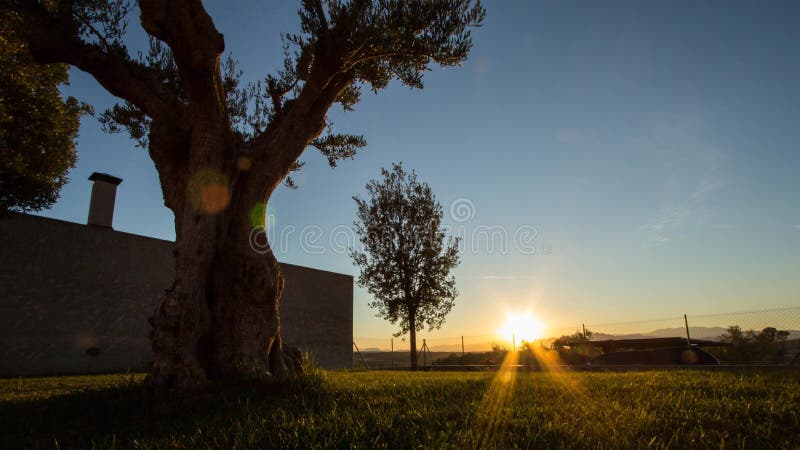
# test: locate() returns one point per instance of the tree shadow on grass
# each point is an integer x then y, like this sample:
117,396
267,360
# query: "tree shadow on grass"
128,415
304,412
371,411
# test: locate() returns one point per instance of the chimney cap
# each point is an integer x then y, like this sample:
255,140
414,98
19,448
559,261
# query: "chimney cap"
99,176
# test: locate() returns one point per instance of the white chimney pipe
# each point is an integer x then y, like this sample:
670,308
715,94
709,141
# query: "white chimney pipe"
104,192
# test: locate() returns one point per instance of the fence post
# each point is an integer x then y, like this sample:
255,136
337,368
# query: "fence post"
686,324
462,347
424,347
392,341
360,356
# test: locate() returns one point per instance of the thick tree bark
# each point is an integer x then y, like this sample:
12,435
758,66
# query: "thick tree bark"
219,322
219,319
245,288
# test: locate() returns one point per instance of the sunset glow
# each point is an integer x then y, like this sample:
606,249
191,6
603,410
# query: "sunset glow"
521,327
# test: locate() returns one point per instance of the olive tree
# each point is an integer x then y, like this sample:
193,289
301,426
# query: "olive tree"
407,256
221,149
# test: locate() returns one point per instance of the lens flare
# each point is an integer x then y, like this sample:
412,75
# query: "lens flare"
209,191
214,198
521,327
244,163
258,215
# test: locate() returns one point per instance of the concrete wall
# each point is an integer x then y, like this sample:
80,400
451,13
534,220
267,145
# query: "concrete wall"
76,298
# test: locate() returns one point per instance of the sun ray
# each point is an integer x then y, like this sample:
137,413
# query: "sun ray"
520,327
496,402
496,406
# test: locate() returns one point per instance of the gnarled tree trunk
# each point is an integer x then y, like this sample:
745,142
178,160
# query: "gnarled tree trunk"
219,319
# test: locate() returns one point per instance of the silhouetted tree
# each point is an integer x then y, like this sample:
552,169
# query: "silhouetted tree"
222,149
575,348
407,258
571,340
529,353
748,347
38,127
499,348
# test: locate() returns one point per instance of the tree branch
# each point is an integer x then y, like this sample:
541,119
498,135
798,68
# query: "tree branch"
52,41
276,95
278,148
188,30
186,27
100,37
323,22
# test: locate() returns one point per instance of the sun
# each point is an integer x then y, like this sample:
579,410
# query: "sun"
521,327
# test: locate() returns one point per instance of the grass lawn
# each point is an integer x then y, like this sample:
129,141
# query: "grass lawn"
669,409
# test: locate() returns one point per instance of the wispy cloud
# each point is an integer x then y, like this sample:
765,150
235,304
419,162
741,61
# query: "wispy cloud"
572,135
504,277
667,219
708,185
693,177
796,227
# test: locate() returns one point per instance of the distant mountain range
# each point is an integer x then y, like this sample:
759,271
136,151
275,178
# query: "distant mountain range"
705,333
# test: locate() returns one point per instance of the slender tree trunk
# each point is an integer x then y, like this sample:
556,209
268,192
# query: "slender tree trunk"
412,323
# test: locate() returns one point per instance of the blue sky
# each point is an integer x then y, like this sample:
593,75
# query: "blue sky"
653,146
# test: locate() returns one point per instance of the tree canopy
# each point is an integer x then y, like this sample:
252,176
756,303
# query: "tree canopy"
407,256
38,128
341,47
